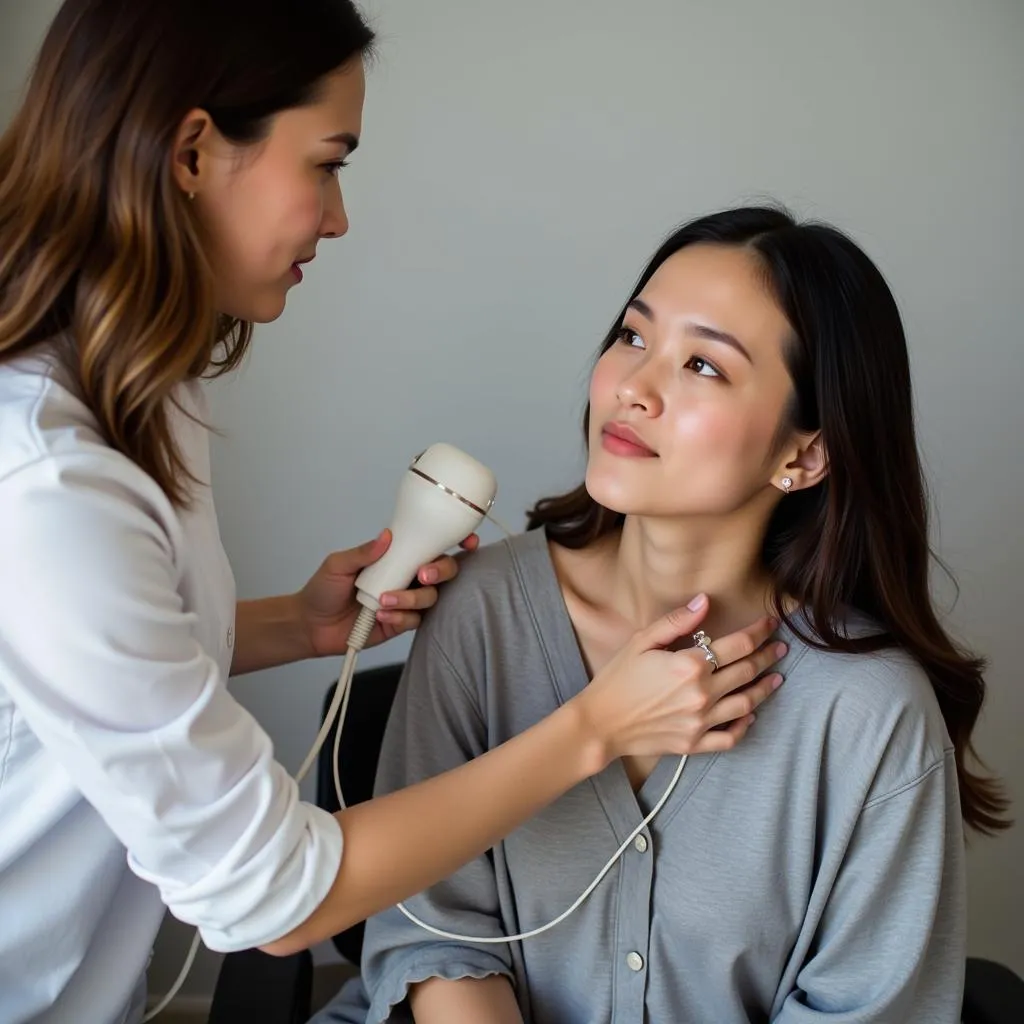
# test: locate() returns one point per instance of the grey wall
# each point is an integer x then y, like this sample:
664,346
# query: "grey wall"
520,162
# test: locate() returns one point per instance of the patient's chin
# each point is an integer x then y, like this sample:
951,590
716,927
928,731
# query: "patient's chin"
611,494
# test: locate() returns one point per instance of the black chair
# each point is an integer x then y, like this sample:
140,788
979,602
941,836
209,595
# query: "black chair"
254,988
373,693
993,994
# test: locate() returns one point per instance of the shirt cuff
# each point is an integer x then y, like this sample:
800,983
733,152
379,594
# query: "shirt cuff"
441,962
298,886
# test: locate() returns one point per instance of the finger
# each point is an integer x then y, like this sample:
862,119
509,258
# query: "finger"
723,739
439,571
350,562
742,673
471,543
418,600
396,622
669,628
737,706
741,644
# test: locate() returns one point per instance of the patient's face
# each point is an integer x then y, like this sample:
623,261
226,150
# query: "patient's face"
698,376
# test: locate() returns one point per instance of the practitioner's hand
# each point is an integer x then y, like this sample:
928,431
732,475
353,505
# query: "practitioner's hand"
648,700
328,606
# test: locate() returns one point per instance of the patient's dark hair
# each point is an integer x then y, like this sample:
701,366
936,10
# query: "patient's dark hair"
859,539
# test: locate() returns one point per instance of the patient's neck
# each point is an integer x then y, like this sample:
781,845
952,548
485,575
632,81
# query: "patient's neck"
657,565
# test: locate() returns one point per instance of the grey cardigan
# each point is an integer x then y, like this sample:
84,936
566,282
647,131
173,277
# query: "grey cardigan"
815,873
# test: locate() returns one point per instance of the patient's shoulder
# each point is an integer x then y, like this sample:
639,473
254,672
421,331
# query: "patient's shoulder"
495,588
877,710
496,572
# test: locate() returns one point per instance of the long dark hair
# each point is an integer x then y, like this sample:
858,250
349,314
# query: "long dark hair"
97,244
859,539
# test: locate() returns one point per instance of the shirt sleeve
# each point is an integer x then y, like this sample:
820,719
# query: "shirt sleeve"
435,724
100,655
891,942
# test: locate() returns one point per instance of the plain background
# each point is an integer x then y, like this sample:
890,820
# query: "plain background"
519,164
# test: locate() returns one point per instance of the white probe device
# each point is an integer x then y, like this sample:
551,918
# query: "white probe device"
443,497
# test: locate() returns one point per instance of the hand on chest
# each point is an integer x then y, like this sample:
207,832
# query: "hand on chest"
599,640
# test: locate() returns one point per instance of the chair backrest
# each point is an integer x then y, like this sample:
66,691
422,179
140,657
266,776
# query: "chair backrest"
993,993
373,693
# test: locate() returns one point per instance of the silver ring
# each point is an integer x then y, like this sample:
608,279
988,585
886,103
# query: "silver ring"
703,641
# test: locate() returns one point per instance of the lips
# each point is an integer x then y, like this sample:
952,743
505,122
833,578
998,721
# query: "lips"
297,266
621,439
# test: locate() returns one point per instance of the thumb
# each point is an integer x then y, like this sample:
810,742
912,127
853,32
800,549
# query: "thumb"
672,626
350,562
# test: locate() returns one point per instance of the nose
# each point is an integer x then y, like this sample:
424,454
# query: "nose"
334,222
639,391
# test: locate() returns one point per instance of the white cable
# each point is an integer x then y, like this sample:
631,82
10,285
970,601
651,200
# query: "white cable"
178,982
500,525
357,638
341,697
347,673
500,939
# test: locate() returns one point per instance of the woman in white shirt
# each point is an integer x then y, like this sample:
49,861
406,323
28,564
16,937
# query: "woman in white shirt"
170,170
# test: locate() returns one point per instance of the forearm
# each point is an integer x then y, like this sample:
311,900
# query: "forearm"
466,1001
401,844
268,632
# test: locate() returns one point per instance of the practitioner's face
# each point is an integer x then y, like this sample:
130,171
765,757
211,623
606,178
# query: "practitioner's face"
263,208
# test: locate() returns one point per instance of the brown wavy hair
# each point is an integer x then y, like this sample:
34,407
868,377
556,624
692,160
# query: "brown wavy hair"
99,249
859,539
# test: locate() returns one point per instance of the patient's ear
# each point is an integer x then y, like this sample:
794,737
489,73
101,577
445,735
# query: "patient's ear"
803,463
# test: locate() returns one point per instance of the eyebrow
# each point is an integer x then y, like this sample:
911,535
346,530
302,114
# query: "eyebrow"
346,138
697,330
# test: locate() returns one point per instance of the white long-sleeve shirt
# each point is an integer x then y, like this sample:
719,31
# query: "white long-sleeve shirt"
130,779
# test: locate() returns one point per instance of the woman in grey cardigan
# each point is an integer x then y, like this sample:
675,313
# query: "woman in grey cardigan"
751,437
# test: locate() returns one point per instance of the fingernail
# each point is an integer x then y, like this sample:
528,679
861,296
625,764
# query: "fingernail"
429,576
777,682
751,719
388,600
781,649
773,623
697,603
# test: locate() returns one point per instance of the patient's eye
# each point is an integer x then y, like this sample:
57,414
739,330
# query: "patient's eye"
627,336
702,367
